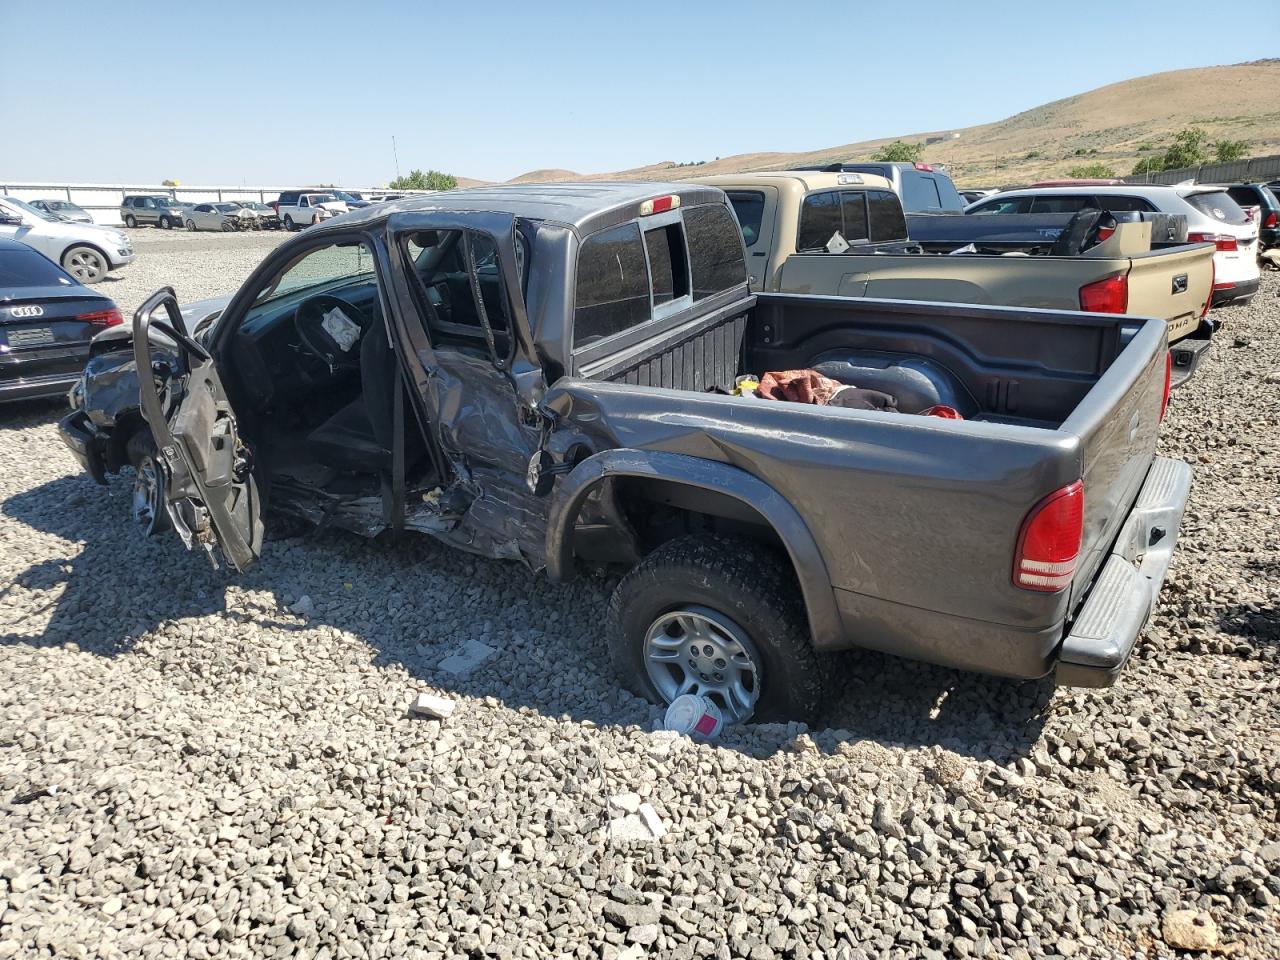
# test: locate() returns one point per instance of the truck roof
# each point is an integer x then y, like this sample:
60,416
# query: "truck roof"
583,205
808,179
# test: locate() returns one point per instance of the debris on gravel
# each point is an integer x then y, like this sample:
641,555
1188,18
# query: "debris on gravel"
1189,930
429,705
234,780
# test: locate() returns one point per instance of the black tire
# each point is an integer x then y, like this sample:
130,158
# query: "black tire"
130,220
166,223
151,517
740,580
227,226
191,225
288,223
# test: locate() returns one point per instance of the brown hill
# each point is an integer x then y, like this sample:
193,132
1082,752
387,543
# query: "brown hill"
1115,125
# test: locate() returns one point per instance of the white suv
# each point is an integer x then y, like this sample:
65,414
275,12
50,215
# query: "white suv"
302,208
86,251
1212,217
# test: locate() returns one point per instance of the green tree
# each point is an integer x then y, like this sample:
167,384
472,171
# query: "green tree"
1187,150
1091,171
899,152
431,180
1227,150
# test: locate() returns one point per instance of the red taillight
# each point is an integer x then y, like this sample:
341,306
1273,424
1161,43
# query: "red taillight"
926,167
1106,296
102,318
1105,233
1049,541
1271,219
1168,382
1224,243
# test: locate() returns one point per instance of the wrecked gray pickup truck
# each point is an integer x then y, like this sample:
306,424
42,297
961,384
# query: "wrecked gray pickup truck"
544,373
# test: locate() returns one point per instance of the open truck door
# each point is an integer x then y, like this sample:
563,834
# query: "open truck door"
207,474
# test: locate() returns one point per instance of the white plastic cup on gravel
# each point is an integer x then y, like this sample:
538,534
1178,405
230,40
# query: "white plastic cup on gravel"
694,716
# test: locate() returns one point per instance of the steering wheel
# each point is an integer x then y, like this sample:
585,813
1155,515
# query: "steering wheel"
339,348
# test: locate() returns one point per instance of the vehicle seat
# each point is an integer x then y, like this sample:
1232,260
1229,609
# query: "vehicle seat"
358,438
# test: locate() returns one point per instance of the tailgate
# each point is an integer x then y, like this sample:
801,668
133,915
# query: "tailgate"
1173,284
1117,424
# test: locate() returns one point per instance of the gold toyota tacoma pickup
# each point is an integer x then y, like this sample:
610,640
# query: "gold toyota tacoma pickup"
844,234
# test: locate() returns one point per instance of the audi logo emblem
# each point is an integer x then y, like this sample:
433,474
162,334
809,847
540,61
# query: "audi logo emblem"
34,310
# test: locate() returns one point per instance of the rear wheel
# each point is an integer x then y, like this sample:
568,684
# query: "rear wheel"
288,223
130,220
719,617
147,504
85,264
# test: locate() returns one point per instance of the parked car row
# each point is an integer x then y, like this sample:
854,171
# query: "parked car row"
85,250
1212,216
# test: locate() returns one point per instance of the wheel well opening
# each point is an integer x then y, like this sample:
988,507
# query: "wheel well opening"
624,519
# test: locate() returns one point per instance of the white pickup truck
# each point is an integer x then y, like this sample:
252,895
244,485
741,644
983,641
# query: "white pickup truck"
302,208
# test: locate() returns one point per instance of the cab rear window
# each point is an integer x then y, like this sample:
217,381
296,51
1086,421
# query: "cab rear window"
628,273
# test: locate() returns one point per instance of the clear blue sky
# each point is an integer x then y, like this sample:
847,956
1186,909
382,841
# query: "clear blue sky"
275,93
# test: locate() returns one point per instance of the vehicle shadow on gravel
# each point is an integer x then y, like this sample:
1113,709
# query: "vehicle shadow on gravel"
417,603
24,414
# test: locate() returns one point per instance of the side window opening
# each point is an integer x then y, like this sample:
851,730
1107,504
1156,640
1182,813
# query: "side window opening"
748,205
446,290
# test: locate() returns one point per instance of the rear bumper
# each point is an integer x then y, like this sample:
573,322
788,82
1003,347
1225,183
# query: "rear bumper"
1236,291
84,442
1089,652
1120,601
1186,355
36,388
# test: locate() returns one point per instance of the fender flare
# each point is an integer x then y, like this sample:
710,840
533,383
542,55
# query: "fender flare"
810,568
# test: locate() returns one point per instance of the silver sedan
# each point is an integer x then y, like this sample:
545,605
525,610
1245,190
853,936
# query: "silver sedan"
214,216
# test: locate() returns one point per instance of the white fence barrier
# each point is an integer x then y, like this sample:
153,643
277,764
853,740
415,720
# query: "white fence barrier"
102,200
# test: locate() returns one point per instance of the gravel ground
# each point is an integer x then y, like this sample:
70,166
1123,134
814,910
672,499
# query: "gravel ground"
190,769
196,265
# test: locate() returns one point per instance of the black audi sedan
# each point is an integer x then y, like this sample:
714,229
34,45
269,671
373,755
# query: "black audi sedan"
47,318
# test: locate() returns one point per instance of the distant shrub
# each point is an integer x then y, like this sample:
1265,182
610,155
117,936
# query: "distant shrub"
1227,150
900,152
1091,171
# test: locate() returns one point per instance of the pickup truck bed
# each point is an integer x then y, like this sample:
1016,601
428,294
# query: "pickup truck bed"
1046,402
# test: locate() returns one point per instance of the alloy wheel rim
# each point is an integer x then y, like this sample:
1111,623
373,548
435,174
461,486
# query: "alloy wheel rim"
86,265
697,650
146,494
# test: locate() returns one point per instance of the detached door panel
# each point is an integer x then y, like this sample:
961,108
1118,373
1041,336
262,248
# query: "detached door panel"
211,494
